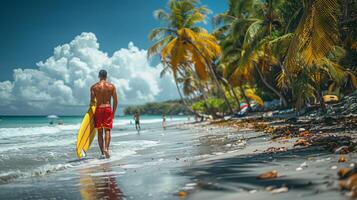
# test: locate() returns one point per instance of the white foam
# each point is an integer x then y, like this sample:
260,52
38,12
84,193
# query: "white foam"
135,144
37,144
40,171
40,130
122,149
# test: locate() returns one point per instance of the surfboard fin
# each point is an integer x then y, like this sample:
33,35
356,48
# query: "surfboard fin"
83,153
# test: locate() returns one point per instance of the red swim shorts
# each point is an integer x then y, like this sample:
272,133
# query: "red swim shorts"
103,117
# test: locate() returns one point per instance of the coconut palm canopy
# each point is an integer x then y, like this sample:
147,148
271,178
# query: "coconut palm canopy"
260,50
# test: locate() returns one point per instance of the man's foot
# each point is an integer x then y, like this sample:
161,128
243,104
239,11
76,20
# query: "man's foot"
106,153
102,156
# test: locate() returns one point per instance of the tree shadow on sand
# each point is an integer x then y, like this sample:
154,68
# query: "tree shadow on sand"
240,172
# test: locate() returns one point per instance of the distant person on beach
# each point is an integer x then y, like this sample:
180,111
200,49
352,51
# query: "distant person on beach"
101,94
137,120
164,121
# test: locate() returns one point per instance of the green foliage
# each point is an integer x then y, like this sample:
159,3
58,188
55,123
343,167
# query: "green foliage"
158,108
216,105
199,107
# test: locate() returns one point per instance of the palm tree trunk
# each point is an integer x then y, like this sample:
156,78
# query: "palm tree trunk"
219,87
282,98
182,99
232,92
320,96
235,97
245,97
205,97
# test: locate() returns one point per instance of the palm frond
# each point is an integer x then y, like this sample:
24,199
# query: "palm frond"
316,34
161,14
250,93
165,70
158,33
158,46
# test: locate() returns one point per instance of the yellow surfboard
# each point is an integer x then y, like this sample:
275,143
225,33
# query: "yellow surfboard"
86,133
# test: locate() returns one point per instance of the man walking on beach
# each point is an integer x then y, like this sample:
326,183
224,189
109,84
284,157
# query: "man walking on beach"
164,121
101,94
137,120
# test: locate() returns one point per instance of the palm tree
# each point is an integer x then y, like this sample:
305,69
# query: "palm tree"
181,41
314,43
250,32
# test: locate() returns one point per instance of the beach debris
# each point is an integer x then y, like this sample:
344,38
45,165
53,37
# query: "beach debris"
348,180
302,142
346,172
177,158
342,159
275,149
268,175
334,167
189,186
343,172
299,169
182,194
279,190
253,191
302,166
349,184
270,188
305,134
342,150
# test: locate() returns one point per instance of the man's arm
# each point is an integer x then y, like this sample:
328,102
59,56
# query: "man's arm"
115,100
92,96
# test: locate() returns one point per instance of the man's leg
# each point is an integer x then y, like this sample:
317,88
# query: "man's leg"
107,142
100,139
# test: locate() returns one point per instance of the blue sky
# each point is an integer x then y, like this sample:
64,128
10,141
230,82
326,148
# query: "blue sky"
31,29
52,50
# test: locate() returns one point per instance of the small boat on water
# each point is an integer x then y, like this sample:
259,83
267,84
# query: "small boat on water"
52,118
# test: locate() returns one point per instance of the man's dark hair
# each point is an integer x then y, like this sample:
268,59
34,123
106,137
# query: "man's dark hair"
102,74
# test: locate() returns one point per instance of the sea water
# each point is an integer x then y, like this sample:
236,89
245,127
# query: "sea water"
33,146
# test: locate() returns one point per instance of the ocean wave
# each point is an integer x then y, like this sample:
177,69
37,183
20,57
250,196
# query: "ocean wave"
6,177
48,129
37,144
40,130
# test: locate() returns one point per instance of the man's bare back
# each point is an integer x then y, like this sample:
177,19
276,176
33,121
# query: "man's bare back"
103,91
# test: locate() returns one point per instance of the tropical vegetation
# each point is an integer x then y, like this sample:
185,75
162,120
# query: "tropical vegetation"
158,108
296,51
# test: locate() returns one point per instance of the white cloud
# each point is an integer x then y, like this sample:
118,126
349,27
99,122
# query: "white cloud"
64,79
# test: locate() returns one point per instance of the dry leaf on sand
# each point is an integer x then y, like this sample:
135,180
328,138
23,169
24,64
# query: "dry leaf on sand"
342,159
268,175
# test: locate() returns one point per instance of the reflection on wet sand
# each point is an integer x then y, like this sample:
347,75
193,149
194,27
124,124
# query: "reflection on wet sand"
99,183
